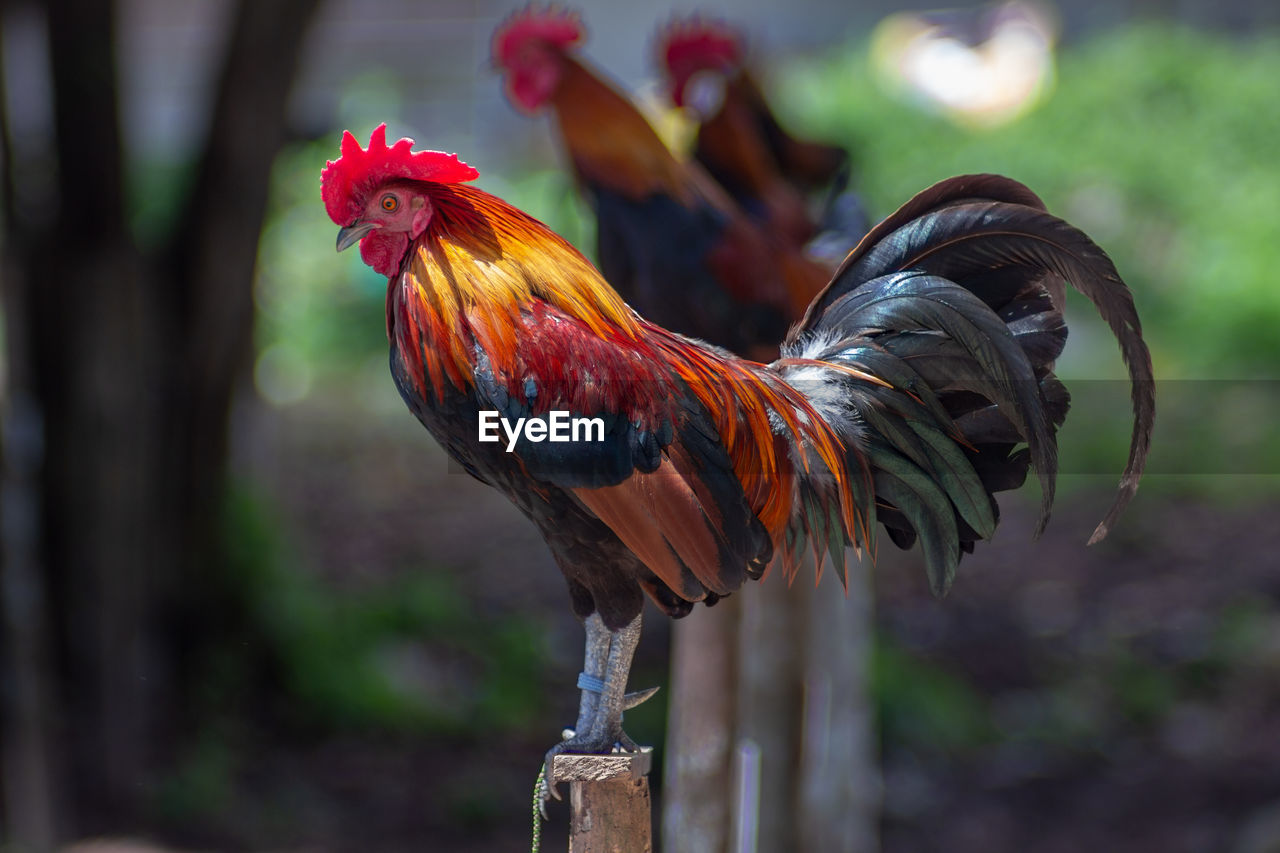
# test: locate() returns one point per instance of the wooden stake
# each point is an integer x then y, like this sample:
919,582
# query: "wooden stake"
697,775
609,805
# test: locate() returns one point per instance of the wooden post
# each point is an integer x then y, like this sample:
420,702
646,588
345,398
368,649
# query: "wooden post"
698,771
837,798
609,806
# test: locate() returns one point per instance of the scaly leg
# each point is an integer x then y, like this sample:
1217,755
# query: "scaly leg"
599,727
606,728
593,668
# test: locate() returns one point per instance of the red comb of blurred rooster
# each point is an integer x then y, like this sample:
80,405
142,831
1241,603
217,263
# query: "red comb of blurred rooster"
741,143
902,399
673,242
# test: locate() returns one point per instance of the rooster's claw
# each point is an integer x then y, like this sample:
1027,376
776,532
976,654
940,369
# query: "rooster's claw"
631,700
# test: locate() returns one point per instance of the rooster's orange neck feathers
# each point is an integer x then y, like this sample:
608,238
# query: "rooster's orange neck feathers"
469,277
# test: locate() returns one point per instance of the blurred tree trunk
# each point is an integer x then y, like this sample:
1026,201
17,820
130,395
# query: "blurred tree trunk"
28,761
130,360
772,684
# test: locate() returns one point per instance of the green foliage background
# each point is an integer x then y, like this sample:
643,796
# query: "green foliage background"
1157,141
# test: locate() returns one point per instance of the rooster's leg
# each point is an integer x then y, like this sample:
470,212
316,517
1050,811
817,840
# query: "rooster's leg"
606,728
600,713
593,670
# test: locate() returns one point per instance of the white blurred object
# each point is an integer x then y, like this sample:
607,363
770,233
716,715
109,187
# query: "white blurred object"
983,66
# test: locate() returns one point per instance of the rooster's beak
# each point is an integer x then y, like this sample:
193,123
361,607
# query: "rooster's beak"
354,233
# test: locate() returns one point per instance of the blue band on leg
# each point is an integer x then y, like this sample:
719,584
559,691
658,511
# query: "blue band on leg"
590,683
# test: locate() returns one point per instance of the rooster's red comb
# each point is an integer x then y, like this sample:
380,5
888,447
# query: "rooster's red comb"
556,27
689,45
345,181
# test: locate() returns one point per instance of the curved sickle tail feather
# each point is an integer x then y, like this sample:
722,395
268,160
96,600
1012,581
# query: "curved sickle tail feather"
955,303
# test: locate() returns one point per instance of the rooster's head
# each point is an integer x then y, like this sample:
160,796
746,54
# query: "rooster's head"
380,196
529,48
694,47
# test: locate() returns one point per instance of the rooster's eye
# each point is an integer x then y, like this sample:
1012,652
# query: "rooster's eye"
390,203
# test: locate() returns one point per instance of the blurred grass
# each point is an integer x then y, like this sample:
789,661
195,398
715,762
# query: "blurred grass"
1080,693
411,654
925,704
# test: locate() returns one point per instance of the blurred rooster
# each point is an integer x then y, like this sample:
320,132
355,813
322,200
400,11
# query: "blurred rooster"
672,242
902,398
740,142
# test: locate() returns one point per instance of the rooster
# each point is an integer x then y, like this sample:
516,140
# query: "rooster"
670,239
741,143
903,397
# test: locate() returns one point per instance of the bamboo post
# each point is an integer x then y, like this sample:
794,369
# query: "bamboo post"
609,806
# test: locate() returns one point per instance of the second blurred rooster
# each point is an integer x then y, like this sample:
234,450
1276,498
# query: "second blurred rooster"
769,172
675,245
